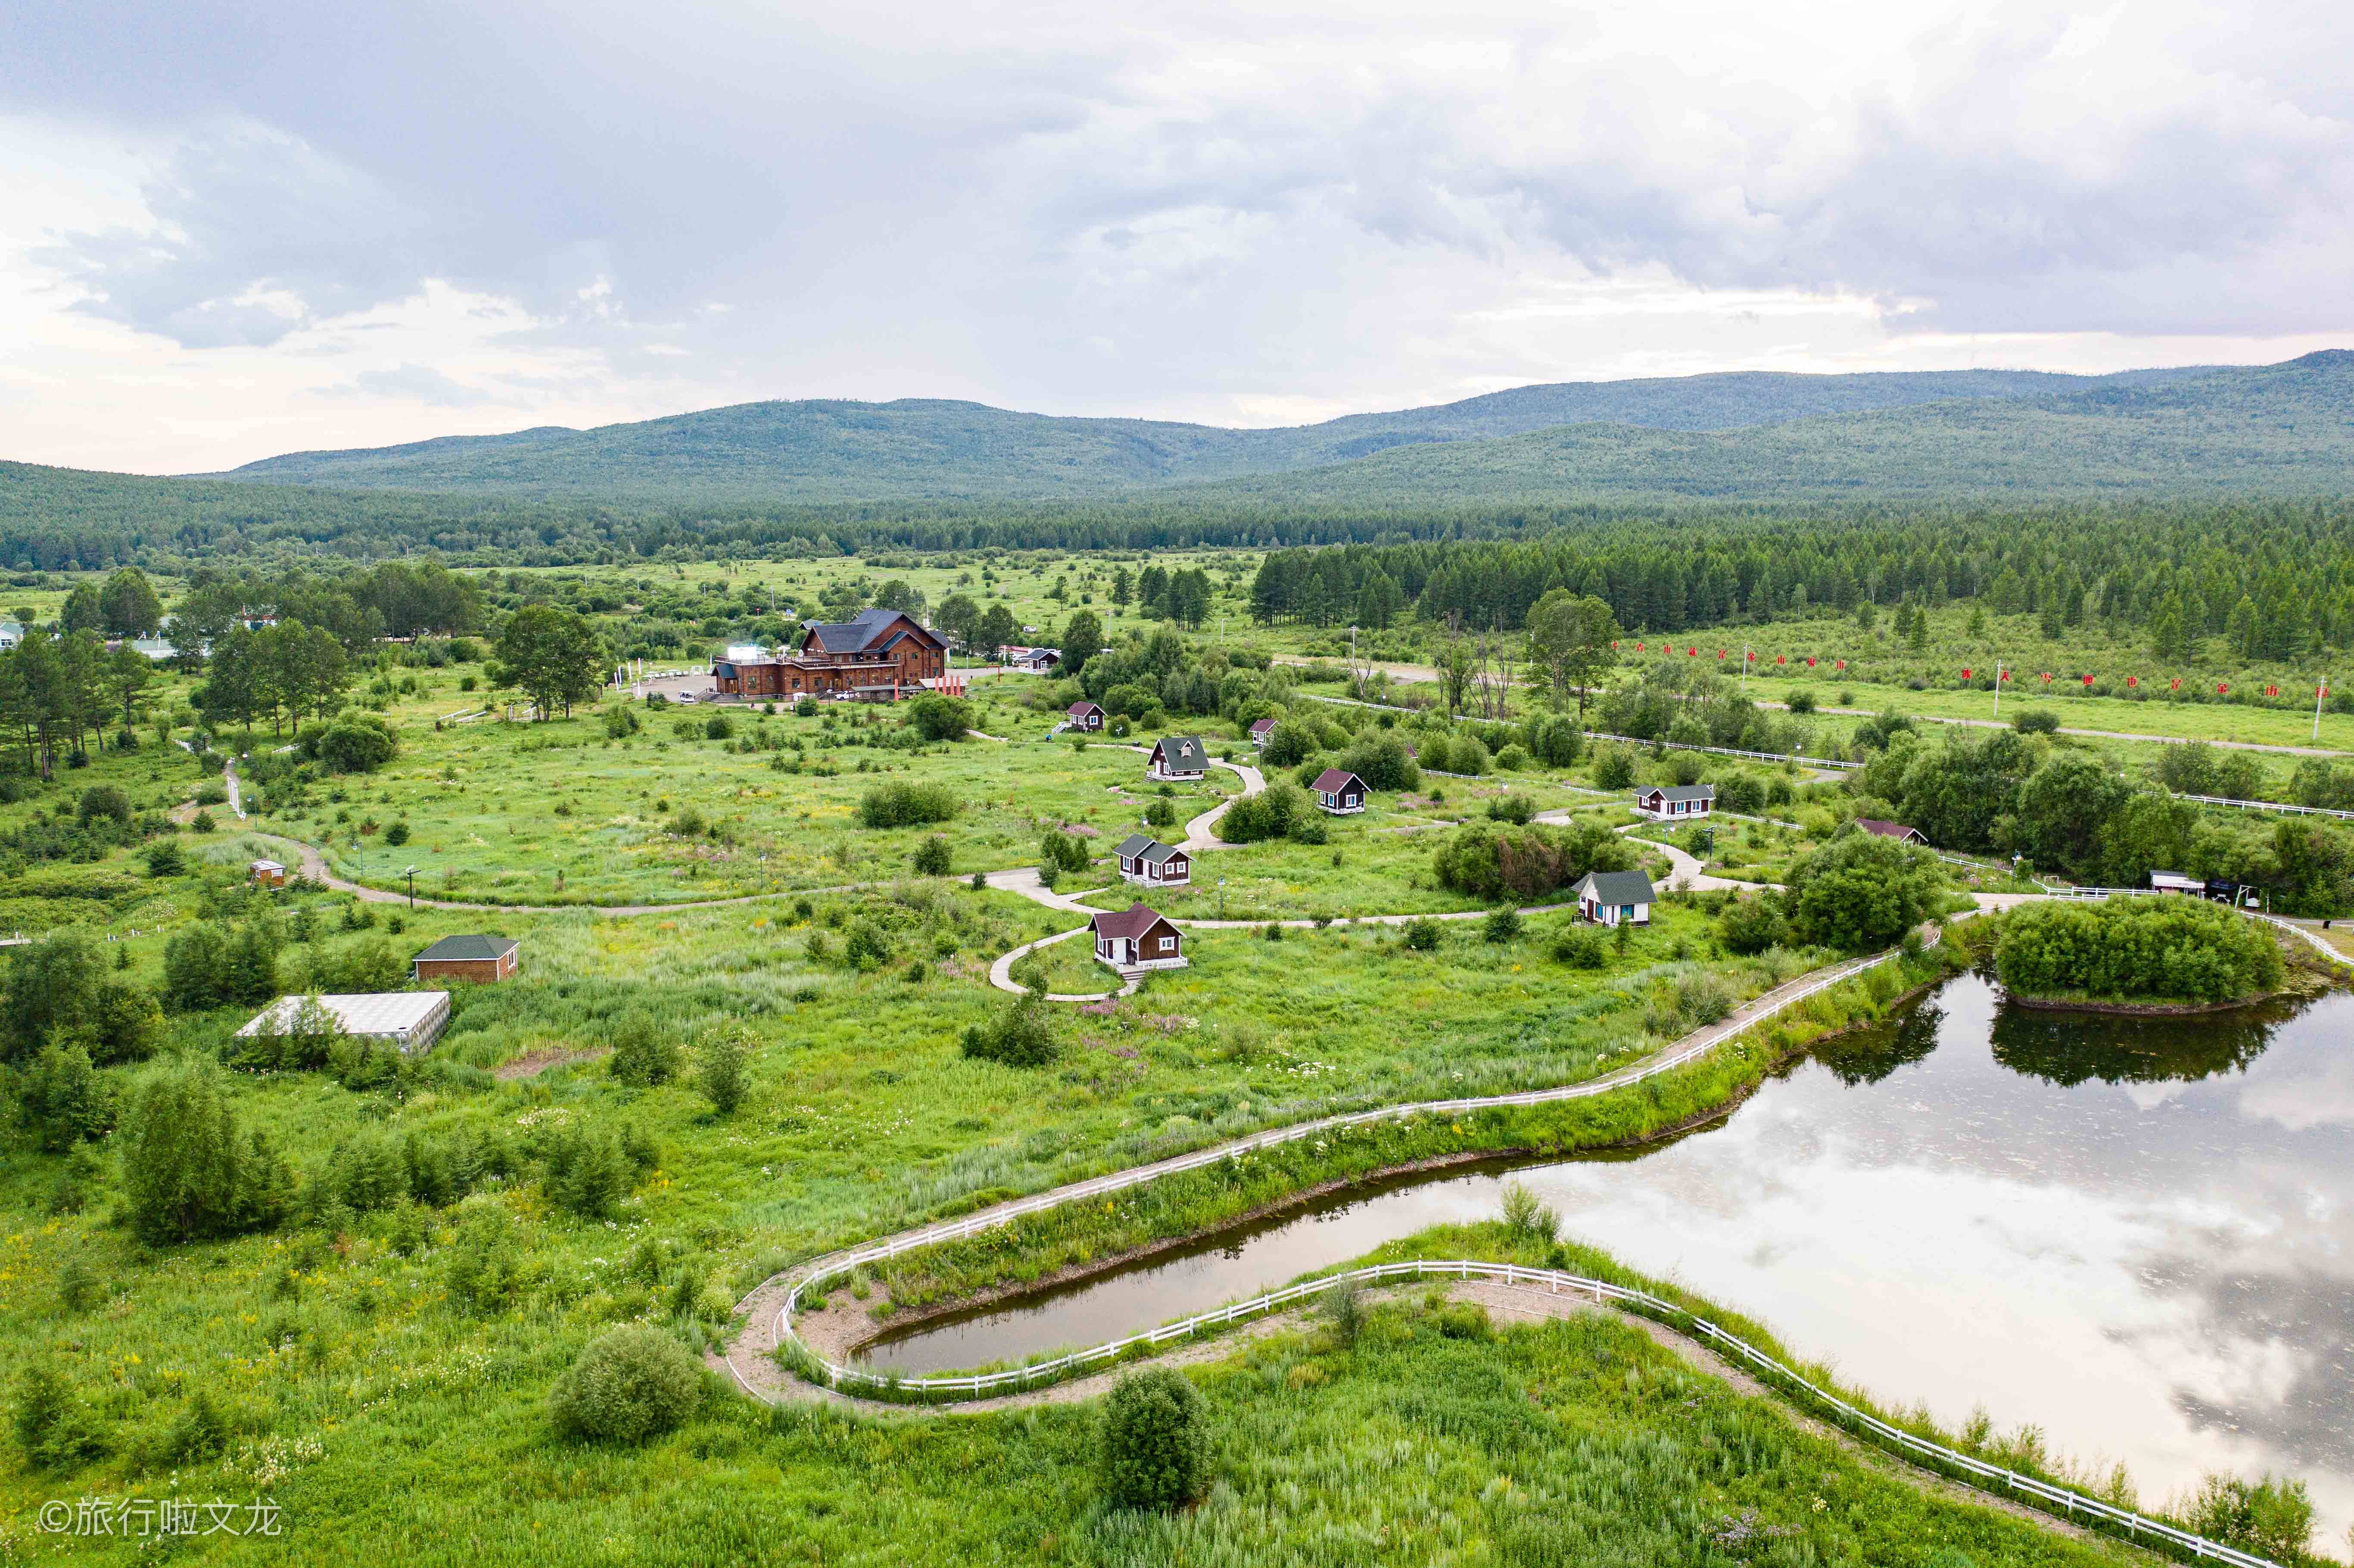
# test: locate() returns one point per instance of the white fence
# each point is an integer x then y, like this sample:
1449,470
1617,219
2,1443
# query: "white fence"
2282,806
1978,1472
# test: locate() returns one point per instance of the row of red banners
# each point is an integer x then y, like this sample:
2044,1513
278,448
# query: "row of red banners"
1751,656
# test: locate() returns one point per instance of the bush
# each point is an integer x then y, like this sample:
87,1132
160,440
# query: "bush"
1274,812
1514,809
900,804
1156,1443
2137,948
805,707
1613,767
2272,1518
1750,925
1493,860
1580,946
165,859
1381,761
1526,1219
641,1056
1802,701
54,1429
1501,925
104,801
1859,893
718,727
932,857
352,742
1512,759
722,1076
396,835
936,718
2035,721
630,1384
1555,740
1063,852
64,1100
1019,1036
1289,744
187,1174
1422,936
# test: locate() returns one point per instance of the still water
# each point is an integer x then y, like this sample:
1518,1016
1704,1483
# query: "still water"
2138,1235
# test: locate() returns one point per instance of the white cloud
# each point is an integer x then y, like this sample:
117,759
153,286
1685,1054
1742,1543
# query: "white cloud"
1231,212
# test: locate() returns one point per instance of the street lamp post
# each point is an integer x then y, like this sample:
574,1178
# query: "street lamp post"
411,875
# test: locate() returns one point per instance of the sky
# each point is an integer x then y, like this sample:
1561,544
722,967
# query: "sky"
234,229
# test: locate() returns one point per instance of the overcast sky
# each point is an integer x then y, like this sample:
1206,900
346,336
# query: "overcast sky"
232,230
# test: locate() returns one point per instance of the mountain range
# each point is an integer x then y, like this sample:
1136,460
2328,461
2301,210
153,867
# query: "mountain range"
2281,427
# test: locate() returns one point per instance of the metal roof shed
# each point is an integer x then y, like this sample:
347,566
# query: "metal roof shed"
411,1020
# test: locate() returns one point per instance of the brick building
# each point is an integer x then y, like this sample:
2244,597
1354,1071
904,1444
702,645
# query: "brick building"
879,655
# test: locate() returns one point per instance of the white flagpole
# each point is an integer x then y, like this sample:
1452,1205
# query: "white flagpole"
1745,669
1998,688
2318,693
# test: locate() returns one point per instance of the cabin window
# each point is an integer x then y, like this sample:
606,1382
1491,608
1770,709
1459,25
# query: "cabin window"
1168,944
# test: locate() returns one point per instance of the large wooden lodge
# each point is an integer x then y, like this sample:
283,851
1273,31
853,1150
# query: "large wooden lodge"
877,655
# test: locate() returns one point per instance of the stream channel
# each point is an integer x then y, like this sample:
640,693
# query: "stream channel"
2135,1234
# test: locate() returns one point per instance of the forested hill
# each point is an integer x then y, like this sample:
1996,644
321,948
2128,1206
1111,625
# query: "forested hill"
931,449
2275,430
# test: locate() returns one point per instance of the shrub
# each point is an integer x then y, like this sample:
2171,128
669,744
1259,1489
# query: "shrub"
1802,701
396,835
1580,946
187,1174
805,707
1501,925
1063,852
104,801
722,1076
1289,744
2035,721
936,718
866,946
64,1100
1020,1035
1750,926
2184,948
352,742
1526,1218
1422,936
1555,740
1859,893
54,1429
164,858
1613,767
1381,759
642,1056
688,823
2272,1518
630,1384
718,727
1492,860
900,804
202,823
932,857
1156,1443
1514,809
1273,813
1512,759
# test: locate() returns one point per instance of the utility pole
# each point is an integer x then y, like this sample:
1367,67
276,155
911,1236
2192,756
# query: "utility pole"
1745,669
411,875
1998,688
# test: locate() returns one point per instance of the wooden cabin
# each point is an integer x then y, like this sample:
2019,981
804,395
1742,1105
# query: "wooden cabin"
1084,716
1675,802
1608,897
1177,757
1339,792
267,874
1897,831
485,960
1138,939
1147,862
1259,731
877,655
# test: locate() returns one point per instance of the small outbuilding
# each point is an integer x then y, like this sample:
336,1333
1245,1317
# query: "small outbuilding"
2175,882
1136,938
1084,716
1260,730
267,874
1147,862
1339,792
411,1020
1675,802
1897,831
1177,757
1608,897
481,960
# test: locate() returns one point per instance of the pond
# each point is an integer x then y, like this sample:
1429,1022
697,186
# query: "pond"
2137,1234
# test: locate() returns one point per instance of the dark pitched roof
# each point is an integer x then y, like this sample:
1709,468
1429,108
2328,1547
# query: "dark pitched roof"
1332,780
1127,924
1261,727
1160,853
1076,709
861,631
1146,847
1181,750
1888,830
1615,887
1679,791
467,950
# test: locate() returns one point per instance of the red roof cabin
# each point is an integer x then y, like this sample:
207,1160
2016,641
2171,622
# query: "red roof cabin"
1138,939
1177,757
1897,831
1084,716
1339,792
1260,731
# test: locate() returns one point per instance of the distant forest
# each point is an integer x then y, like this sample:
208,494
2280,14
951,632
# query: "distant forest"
2277,581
